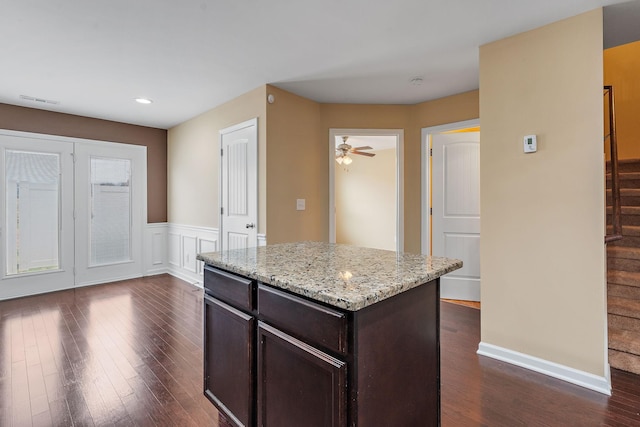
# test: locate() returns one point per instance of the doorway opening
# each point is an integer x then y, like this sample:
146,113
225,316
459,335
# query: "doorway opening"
366,188
451,203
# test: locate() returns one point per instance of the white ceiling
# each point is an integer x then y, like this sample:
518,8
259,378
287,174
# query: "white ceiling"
94,57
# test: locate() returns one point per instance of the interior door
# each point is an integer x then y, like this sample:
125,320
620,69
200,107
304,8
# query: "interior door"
110,194
36,214
239,185
456,210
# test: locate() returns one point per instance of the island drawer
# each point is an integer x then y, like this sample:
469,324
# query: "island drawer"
313,323
230,288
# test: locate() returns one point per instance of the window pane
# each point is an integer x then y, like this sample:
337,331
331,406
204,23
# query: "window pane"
110,211
33,205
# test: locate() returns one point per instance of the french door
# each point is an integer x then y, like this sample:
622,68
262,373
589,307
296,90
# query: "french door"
110,198
37,216
71,212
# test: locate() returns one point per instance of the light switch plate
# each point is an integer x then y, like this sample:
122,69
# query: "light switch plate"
300,204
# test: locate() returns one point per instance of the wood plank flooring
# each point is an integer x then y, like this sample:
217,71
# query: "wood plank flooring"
130,353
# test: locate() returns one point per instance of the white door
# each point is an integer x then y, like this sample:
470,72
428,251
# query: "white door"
239,185
110,211
456,211
36,215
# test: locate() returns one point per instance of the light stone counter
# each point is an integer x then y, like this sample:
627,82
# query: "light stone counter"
343,276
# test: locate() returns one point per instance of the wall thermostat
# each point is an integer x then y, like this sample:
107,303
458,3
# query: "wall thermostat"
530,144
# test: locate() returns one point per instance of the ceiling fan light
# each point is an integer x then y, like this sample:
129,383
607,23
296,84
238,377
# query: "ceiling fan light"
347,160
339,160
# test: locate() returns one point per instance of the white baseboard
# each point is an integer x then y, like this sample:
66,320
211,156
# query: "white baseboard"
562,372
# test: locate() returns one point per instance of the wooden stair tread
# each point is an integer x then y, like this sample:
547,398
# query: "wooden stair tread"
627,252
628,230
622,340
623,271
627,278
625,175
626,210
623,291
624,307
624,361
623,323
627,192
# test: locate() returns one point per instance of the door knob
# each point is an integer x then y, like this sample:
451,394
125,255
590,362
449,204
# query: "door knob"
252,225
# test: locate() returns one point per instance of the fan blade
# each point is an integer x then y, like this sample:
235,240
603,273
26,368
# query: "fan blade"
366,147
362,153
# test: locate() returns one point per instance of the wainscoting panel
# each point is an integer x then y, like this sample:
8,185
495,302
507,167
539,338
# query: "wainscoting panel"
155,249
206,245
184,248
173,248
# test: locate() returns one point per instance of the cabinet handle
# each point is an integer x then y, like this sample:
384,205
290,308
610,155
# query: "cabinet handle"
251,225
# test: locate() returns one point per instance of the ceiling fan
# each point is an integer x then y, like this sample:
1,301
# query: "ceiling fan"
344,149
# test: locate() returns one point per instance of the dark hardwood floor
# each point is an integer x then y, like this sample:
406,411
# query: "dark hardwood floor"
130,353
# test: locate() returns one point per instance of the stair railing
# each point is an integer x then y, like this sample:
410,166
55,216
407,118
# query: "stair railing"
616,207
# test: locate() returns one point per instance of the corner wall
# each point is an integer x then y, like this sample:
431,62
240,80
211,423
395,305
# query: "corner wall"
542,251
194,161
622,71
294,168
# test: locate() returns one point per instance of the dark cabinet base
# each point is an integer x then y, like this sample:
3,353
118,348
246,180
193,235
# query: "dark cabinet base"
397,354
228,366
298,384
294,362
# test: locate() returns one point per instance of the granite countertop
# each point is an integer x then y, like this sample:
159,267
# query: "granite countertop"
343,276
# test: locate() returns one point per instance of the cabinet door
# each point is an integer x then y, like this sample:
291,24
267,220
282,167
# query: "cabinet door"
228,360
298,385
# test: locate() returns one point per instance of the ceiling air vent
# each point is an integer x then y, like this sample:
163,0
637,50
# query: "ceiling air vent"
40,100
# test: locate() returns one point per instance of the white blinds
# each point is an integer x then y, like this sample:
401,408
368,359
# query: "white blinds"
110,229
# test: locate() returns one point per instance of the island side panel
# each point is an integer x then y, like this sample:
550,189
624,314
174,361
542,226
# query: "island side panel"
397,359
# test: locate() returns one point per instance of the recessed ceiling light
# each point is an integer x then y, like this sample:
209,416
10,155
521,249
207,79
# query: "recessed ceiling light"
143,101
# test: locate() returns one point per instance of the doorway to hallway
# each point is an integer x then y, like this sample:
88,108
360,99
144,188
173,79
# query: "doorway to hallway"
451,203
366,187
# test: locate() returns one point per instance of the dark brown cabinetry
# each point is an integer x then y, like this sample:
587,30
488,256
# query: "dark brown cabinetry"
275,359
299,385
229,366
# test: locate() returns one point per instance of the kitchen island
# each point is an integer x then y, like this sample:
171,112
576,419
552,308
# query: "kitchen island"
320,334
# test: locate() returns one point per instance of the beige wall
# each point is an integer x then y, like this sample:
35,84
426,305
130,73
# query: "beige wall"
411,118
357,116
194,161
542,251
294,150
52,123
365,195
622,71
294,158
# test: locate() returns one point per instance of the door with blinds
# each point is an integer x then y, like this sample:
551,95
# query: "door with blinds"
46,181
110,197
36,215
